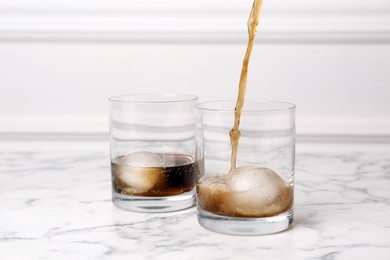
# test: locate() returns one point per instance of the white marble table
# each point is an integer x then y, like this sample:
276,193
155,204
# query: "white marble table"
55,203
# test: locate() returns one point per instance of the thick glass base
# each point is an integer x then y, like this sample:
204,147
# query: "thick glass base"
154,204
245,226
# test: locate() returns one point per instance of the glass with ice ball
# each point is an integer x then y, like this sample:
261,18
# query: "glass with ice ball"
254,197
153,152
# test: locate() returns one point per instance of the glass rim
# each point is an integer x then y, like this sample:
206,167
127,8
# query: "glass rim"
288,106
162,98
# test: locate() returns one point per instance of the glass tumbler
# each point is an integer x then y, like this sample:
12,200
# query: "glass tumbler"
153,148
255,197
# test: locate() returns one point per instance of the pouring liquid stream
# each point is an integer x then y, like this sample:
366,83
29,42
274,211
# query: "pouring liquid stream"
235,132
246,191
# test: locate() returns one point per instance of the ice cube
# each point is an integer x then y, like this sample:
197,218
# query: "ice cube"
142,159
139,172
248,177
259,192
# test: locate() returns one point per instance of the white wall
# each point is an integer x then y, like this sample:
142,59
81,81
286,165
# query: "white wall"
60,61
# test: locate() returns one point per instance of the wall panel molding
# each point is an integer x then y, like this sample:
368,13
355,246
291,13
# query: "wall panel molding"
85,128
201,21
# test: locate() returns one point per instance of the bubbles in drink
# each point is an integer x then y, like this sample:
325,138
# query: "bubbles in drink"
154,174
246,192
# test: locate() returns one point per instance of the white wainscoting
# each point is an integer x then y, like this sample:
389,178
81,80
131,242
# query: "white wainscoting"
61,60
178,21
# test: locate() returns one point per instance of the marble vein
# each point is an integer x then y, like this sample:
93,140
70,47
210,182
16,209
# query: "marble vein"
56,204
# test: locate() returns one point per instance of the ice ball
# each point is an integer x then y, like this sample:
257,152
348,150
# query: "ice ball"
142,159
139,172
258,192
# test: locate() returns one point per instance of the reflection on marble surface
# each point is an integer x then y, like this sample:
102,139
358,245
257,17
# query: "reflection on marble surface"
56,204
